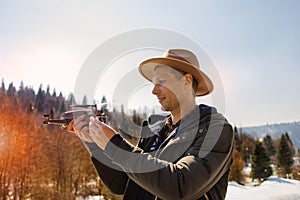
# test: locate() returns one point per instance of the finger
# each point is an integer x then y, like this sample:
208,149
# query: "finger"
95,121
80,118
70,127
81,124
95,134
92,119
95,129
85,134
99,123
92,133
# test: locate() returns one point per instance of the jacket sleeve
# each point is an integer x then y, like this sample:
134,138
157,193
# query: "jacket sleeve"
112,175
194,174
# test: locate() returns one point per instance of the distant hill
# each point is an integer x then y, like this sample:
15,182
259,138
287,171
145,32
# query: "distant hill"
275,131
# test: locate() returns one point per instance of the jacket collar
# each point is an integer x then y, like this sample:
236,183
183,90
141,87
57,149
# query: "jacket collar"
157,122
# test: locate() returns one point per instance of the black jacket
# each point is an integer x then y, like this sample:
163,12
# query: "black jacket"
195,160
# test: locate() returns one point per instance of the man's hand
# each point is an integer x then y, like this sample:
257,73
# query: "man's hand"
91,131
80,127
100,133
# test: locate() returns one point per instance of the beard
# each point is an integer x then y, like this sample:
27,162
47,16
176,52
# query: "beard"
169,106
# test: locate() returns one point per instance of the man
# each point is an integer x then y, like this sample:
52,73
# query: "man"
185,155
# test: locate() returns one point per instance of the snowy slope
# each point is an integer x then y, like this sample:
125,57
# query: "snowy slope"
271,189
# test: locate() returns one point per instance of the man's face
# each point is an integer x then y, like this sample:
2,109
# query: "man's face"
168,87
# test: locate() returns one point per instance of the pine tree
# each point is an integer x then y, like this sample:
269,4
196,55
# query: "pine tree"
62,108
122,111
21,89
134,117
48,90
21,93
58,102
84,100
71,99
39,101
139,120
268,143
54,93
260,166
51,113
237,139
104,104
290,143
284,157
11,91
3,85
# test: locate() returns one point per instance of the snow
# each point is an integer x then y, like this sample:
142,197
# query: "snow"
101,197
271,189
247,170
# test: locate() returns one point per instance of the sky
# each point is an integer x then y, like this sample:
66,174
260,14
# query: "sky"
254,46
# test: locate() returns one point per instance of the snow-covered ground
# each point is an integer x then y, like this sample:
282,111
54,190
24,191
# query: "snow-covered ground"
271,189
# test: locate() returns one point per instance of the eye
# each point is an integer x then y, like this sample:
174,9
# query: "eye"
162,82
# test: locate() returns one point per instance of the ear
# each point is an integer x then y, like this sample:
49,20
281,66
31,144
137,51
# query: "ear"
189,79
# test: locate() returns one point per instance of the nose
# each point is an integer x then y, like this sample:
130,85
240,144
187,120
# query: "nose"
155,89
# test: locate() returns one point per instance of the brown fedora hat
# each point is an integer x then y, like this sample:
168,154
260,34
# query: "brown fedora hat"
183,60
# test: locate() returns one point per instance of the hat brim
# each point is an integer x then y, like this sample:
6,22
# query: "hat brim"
205,85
